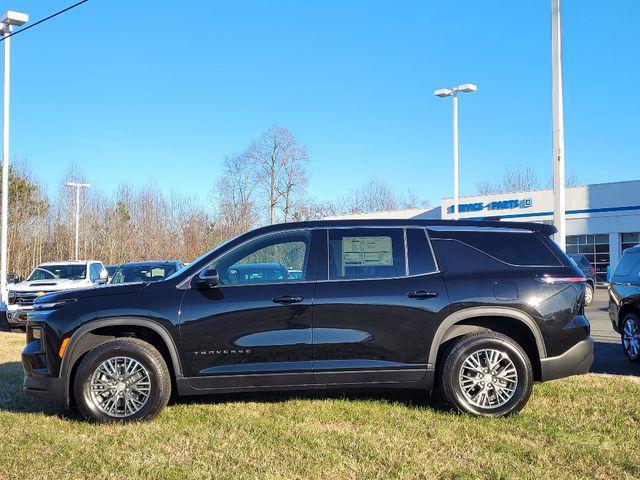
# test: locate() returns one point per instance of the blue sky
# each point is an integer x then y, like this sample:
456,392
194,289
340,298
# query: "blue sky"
140,90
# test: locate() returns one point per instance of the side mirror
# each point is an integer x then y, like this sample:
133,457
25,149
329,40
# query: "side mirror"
207,278
104,275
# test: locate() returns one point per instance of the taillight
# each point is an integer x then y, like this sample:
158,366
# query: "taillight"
551,279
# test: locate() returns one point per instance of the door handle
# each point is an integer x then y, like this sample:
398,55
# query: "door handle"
422,295
288,299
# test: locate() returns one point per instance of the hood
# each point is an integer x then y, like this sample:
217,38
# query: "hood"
96,291
47,285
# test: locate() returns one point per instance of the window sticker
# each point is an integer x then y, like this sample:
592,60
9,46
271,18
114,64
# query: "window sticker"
367,251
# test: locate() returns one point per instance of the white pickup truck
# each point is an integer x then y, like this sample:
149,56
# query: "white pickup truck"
52,277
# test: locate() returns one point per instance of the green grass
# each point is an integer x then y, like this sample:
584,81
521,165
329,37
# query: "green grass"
580,427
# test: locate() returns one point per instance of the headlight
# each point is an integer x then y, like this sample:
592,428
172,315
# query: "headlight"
11,294
51,305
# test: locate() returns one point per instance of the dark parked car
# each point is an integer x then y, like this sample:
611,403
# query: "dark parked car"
153,271
480,310
624,302
590,274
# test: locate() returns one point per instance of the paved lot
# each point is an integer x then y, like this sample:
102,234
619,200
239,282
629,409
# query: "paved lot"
609,355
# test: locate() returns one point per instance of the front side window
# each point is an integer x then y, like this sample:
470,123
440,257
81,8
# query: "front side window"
54,272
95,271
361,253
275,258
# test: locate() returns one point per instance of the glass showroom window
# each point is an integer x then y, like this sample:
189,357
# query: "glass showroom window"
595,248
629,240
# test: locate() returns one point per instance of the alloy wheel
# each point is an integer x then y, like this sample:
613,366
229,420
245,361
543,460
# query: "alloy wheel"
120,386
488,378
631,337
588,295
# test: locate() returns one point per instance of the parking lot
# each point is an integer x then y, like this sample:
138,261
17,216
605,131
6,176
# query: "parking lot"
609,355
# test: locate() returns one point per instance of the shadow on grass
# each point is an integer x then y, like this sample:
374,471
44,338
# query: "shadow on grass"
13,399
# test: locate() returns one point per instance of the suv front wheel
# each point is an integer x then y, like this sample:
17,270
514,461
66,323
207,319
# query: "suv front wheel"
122,380
487,374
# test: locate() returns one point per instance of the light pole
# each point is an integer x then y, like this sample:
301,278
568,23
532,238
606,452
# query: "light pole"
446,92
559,197
78,187
7,22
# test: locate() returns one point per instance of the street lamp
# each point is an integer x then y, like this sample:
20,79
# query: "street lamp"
78,187
446,92
7,22
559,196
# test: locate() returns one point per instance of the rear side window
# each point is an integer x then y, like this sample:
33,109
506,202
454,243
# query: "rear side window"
514,248
627,264
420,255
361,253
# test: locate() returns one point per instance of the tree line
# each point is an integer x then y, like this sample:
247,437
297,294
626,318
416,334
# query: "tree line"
265,183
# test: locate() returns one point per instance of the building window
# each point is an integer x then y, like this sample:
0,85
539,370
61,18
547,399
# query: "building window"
595,248
628,240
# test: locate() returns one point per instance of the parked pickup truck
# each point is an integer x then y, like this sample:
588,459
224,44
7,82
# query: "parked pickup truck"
52,277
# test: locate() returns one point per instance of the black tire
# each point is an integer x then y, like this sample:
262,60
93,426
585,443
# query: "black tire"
588,294
628,351
151,361
466,346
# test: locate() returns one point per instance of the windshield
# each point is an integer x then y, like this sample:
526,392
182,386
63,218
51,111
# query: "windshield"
55,272
142,273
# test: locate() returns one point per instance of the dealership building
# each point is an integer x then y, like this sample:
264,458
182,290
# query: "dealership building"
602,219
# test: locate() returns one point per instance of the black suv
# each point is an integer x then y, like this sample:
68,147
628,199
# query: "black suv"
624,302
479,310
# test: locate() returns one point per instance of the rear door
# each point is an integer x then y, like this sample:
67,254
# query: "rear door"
377,306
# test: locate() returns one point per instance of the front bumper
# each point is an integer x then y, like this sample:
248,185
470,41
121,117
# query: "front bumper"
575,361
39,381
51,388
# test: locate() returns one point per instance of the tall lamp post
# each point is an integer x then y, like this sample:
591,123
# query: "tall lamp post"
78,187
559,197
7,22
453,92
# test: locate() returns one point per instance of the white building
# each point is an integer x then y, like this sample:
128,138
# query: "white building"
602,219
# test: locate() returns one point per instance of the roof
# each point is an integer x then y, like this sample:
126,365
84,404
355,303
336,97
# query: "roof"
543,228
69,262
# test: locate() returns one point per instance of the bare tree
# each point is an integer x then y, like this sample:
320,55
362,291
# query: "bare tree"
279,163
519,179
376,196
235,195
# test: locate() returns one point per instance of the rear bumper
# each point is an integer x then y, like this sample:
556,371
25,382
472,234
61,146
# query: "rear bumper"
575,361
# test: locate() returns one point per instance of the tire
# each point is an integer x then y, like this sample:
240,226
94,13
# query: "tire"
463,387
113,398
588,294
630,336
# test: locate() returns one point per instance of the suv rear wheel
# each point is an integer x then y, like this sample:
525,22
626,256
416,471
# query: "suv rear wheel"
487,374
122,380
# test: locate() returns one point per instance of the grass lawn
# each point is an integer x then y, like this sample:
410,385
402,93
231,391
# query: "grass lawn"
586,426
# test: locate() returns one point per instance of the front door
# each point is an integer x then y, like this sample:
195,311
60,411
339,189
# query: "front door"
254,328
377,307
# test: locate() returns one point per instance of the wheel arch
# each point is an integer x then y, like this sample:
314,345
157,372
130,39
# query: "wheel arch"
628,307
94,333
478,319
